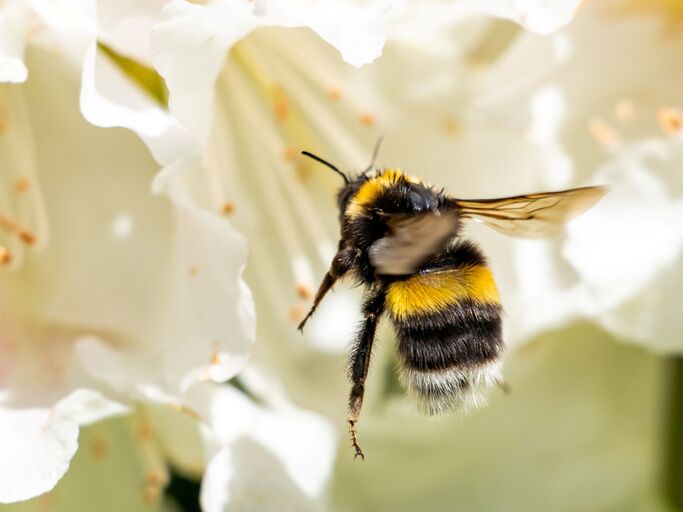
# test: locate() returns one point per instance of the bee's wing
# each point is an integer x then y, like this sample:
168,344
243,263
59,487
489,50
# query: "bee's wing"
534,215
411,239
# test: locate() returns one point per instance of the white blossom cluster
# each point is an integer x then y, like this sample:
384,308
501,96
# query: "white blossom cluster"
160,235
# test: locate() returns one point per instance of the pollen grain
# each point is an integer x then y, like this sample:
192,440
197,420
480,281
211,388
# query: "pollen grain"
22,185
670,120
228,208
603,133
335,94
5,256
367,119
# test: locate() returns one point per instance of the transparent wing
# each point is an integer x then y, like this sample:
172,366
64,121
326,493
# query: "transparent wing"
534,215
411,239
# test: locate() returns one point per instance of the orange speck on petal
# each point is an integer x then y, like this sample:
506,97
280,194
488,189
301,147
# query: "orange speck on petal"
304,291
289,154
603,132
451,127
670,120
21,185
100,447
367,119
10,225
146,431
296,314
184,409
228,208
281,106
26,236
5,256
624,110
334,94
193,271
156,477
216,354
4,123
151,494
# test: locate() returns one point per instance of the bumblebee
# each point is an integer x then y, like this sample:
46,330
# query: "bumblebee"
401,239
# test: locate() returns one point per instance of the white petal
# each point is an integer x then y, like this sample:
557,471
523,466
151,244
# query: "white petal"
15,23
36,445
70,26
249,478
356,31
207,323
126,26
541,16
627,244
302,442
108,98
190,43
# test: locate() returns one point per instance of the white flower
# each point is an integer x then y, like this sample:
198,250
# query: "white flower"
38,443
620,261
133,295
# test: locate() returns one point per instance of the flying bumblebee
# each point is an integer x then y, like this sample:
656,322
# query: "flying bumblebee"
401,239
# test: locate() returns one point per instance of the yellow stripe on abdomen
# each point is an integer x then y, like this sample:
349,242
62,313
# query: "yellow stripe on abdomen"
434,291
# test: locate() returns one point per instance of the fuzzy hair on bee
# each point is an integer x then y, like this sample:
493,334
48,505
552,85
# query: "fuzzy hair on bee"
401,238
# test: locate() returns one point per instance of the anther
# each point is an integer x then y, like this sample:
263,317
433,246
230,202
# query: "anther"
451,127
289,154
216,354
304,291
23,234
670,120
5,256
4,124
100,447
296,314
21,185
603,133
228,208
334,94
281,106
367,119
624,110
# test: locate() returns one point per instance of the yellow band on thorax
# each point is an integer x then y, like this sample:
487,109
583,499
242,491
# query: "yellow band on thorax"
372,188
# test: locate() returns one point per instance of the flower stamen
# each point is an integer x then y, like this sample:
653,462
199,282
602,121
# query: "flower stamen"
603,133
14,228
670,120
21,185
5,256
624,110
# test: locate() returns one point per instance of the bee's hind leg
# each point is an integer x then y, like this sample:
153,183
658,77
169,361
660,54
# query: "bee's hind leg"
359,361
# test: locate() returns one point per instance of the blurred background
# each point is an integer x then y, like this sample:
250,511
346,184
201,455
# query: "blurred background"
162,237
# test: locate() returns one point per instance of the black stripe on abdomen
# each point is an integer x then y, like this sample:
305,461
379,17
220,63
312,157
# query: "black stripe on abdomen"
464,334
450,359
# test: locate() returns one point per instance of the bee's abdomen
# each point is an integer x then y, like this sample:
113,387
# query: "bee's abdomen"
448,323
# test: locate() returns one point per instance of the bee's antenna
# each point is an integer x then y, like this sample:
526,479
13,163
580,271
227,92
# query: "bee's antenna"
328,164
375,152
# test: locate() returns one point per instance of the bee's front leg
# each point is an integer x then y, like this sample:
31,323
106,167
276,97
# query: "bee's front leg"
341,263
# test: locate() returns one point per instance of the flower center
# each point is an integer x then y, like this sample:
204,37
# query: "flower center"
272,103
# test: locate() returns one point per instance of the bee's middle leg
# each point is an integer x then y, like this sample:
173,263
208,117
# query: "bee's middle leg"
359,362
